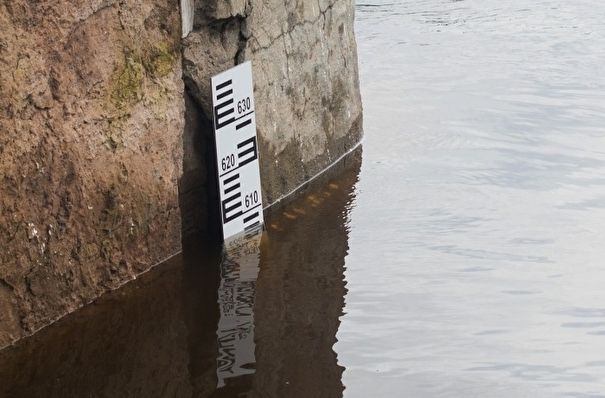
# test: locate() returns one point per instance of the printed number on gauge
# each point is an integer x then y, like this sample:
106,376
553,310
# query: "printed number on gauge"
251,199
228,162
244,105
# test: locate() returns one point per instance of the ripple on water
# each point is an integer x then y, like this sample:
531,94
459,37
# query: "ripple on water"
475,261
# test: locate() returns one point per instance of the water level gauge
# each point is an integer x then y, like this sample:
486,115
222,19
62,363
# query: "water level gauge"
237,152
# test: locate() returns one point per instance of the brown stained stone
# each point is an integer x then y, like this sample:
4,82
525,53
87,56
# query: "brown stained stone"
91,118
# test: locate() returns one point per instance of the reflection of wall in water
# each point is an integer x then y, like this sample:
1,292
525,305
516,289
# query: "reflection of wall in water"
200,285
155,337
300,293
132,342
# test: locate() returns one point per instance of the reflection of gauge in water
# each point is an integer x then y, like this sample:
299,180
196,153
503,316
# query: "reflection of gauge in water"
236,297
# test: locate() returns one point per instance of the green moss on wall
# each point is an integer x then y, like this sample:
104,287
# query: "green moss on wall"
158,60
127,81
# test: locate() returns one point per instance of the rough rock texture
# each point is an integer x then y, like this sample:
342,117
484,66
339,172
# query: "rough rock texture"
91,121
101,150
305,80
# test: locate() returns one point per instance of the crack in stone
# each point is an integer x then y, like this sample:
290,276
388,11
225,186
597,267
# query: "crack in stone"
294,27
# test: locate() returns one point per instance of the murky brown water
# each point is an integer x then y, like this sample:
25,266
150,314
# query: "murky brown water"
260,322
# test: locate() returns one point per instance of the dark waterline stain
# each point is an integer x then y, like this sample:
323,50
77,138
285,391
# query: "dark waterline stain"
157,336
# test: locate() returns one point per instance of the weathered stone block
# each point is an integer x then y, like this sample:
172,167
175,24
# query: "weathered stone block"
306,84
91,118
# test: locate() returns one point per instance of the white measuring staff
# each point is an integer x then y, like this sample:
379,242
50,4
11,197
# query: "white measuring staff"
237,152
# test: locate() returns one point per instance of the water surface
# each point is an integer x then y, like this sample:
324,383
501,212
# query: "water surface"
476,260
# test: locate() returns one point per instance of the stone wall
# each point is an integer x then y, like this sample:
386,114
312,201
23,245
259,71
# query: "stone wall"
106,155
308,107
91,121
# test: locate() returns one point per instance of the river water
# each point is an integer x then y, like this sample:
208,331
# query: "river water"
460,255
477,263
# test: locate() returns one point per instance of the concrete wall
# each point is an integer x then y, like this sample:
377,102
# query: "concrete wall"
105,141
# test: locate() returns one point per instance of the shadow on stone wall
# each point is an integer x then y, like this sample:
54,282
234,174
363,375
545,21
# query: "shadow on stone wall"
157,336
198,197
